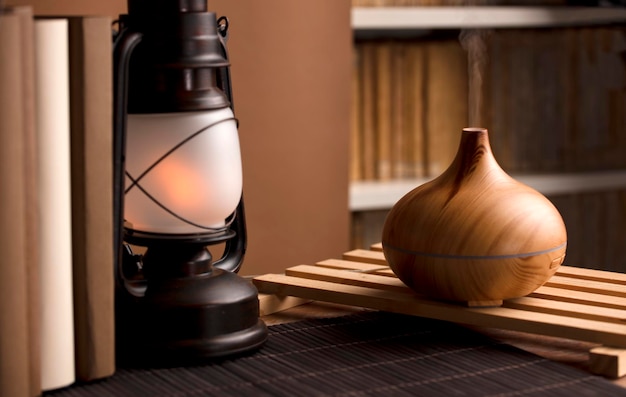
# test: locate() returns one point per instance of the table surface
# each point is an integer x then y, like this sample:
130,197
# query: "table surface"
566,351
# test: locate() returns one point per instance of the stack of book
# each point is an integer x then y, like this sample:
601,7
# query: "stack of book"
56,217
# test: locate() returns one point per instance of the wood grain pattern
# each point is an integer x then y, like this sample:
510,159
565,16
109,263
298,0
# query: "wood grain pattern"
474,234
342,290
269,303
608,361
577,304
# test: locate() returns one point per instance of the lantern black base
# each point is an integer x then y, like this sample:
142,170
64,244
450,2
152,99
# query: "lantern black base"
186,316
221,346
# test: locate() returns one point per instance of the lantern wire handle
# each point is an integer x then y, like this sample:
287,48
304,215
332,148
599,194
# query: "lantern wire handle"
124,44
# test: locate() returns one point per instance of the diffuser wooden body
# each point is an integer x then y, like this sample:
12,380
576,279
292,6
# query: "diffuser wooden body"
474,234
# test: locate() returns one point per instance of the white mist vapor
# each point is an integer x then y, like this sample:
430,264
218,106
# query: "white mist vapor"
474,42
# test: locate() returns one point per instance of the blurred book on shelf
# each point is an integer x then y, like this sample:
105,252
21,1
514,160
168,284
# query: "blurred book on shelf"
553,102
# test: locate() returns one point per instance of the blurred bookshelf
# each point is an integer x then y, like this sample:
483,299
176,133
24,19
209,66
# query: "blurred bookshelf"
554,102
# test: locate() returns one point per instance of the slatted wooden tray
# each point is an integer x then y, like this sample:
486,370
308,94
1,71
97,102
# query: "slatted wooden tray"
576,303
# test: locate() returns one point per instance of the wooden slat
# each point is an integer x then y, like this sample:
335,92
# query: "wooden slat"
584,298
376,247
366,256
592,274
348,277
270,303
382,270
410,303
567,309
608,361
585,285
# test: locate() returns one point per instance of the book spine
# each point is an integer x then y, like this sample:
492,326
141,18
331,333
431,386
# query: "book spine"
31,199
356,159
14,343
92,197
383,110
368,112
415,109
399,134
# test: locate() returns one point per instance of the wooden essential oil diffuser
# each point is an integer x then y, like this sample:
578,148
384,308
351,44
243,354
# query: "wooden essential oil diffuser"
474,234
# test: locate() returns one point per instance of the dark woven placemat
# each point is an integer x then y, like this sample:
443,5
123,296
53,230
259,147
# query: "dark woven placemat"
366,354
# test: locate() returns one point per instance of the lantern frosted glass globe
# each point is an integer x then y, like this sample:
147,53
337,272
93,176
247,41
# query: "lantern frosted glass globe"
198,180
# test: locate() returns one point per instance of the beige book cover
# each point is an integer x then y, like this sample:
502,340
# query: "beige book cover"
53,128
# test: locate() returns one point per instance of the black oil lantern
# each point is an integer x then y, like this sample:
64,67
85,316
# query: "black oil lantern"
178,184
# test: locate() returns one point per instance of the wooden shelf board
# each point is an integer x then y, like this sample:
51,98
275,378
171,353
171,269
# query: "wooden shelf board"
416,18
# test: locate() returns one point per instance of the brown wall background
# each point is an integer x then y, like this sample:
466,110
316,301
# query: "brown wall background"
291,68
